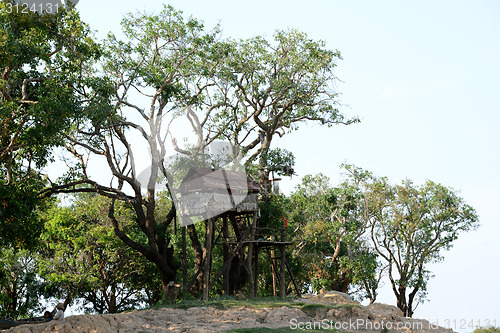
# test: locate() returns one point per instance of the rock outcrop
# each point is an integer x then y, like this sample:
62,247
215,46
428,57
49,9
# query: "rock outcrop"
328,310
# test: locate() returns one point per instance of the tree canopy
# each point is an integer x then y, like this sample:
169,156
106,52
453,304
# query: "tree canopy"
331,229
84,258
43,63
412,227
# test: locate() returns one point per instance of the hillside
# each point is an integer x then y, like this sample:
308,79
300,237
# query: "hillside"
332,311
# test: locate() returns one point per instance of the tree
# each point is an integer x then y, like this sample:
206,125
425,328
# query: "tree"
84,258
20,221
412,226
261,89
332,222
20,287
43,62
160,51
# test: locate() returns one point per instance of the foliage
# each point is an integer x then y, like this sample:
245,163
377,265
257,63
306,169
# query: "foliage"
20,222
352,234
267,88
279,160
490,329
273,211
43,59
330,225
20,287
412,226
88,261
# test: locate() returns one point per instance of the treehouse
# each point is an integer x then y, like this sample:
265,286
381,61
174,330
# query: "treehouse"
208,192
221,199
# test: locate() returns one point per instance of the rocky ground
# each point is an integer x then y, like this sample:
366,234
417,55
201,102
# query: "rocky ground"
328,310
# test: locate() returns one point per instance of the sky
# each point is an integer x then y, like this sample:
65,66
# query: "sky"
424,78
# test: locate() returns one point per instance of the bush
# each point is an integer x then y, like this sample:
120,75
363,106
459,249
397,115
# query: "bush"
490,329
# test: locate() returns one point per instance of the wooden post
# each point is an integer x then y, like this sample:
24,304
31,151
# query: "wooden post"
249,269
208,257
273,268
184,263
293,279
250,255
283,263
225,251
256,273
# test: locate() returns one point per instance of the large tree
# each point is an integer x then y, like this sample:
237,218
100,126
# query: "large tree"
169,68
254,91
412,227
146,71
43,62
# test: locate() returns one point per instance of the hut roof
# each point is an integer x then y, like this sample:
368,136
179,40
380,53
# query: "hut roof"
216,180
205,191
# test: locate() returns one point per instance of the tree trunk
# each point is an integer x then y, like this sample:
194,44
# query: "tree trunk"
167,267
263,171
264,179
12,294
411,297
198,260
184,263
165,279
225,253
401,301
341,283
158,252
238,275
112,308
207,257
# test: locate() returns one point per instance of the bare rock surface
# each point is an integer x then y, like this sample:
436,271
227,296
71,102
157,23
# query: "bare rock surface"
330,297
332,311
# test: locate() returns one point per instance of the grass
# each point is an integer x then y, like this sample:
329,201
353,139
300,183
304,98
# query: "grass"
231,302
276,330
225,302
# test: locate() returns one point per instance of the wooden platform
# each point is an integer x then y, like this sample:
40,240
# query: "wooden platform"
262,243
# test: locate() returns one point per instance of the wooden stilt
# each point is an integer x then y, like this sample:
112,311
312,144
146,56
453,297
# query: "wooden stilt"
225,252
184,263
283,264
273,270
282,273
256,273
208,256
250,255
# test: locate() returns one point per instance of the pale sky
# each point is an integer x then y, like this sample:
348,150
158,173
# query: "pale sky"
424,77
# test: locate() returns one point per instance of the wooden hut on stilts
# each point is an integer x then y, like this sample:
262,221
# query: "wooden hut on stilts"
227,200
